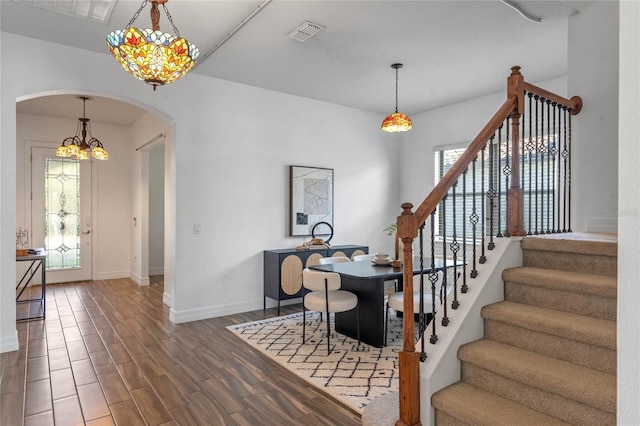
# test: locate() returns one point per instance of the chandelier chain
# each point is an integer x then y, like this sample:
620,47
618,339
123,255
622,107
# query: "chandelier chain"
135,15
175,29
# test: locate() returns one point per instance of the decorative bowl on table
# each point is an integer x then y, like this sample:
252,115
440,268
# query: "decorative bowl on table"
382,260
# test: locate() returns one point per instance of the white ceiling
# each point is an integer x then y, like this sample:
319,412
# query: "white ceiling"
451,50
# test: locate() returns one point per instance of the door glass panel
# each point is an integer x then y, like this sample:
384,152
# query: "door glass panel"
62,213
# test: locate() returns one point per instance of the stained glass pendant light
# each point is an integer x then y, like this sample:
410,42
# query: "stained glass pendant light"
396,122
151,55
78,146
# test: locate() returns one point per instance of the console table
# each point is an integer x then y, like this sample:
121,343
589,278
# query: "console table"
283,269
37,262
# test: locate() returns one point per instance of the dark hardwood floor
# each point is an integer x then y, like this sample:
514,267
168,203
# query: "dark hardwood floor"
108,354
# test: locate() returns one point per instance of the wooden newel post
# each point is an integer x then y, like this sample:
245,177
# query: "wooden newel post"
515,194
408,359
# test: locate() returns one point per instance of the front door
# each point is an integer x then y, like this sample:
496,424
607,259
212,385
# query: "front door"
61,214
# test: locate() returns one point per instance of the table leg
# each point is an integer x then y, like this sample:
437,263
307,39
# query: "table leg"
44,290
370,294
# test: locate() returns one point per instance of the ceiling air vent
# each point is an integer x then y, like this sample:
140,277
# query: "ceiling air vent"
305,31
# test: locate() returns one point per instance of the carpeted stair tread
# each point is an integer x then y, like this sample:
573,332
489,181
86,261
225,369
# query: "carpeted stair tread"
590,284
576,243
584,385
583,329
470,405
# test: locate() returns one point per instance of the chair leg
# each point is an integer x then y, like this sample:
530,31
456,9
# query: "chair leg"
326,304
358,321
304,321
328,334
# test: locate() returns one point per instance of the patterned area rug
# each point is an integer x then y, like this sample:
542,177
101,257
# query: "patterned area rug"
354,375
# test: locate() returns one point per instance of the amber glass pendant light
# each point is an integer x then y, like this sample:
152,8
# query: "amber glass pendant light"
396,122
151,55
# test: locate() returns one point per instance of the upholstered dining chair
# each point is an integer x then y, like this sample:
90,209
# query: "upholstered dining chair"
333,259
325,296
396,302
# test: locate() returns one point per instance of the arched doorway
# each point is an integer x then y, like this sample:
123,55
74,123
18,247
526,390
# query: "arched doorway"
118,215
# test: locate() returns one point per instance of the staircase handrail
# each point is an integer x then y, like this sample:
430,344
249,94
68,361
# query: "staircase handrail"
409,223
441,189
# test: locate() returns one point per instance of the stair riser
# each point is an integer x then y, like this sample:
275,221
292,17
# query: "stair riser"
590,264
586,355
581,304
541,400
443,419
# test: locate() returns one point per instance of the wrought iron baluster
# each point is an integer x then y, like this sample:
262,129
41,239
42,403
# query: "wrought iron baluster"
550,170
422,323
530,146
507,174
474,216
445,317
464,287
454,246
565,155
483,218
522,154
434,337
499,181
556,171
569,174
491,193
537,174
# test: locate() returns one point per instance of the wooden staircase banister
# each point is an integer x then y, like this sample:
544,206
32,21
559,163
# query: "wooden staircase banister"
430,203
574,104
410,222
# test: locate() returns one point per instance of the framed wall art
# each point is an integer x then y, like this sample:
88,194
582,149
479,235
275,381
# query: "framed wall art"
311,199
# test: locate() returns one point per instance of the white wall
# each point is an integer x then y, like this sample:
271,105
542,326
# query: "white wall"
629,217
229,150
111,194
156,211
593,57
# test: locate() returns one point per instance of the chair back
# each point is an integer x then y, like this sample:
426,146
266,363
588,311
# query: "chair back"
361,257
315,280
333,259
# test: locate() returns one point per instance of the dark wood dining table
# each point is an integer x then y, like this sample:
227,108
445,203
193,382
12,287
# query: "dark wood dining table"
366,280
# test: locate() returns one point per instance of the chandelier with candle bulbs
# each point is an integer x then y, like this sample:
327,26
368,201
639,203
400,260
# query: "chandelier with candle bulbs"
83,144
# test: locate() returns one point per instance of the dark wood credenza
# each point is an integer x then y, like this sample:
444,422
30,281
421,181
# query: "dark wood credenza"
283,269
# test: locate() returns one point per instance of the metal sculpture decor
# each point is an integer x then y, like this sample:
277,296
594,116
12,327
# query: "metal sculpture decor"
151,55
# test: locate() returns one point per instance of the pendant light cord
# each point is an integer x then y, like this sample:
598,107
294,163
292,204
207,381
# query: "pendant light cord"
396,89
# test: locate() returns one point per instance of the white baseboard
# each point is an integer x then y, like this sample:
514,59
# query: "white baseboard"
9,344
142,281
605,224
206,312
167,299
272,303
113,275
159,270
